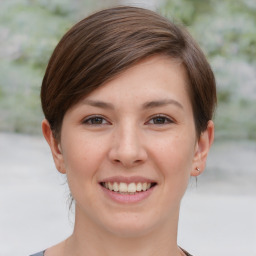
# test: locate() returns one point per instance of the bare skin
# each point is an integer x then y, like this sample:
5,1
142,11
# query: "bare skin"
138,127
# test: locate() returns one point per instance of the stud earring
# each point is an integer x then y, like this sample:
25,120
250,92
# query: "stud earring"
198,171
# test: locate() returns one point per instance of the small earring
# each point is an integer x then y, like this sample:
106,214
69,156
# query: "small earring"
198,171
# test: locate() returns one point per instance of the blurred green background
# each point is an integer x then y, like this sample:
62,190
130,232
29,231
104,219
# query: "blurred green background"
225,29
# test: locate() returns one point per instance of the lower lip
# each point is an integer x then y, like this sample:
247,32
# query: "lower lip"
128,198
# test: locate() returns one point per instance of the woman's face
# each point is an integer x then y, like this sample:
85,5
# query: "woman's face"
129,148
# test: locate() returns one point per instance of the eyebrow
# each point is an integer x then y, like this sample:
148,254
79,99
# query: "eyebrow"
146,105
161,103
99,104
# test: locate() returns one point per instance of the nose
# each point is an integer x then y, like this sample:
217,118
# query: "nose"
127,148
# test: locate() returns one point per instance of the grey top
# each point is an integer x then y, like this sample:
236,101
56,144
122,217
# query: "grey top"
38,254
42,253
187,254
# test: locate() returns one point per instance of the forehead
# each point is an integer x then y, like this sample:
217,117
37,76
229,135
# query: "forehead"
156,76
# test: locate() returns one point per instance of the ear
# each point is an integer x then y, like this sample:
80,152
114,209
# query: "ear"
54,146
202,148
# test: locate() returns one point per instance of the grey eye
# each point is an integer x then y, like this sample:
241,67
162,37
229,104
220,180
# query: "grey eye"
96,120
160,120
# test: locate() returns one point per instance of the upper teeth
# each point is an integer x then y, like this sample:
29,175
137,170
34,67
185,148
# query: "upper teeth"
124,187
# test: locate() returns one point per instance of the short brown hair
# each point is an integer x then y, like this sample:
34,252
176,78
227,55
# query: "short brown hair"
108,42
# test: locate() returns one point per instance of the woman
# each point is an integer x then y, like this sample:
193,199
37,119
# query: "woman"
128,99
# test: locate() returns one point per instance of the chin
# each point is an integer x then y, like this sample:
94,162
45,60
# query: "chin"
130,226
130,231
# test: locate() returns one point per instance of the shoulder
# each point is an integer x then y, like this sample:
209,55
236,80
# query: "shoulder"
38,254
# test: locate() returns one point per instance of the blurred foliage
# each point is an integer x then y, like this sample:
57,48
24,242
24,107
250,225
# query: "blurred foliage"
225,29
29,31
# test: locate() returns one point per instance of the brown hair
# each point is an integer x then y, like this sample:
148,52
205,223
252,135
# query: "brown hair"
108,42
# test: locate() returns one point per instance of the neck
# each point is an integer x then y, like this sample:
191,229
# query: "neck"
90,239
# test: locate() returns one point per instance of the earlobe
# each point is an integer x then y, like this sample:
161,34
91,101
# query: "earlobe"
202,149
54,146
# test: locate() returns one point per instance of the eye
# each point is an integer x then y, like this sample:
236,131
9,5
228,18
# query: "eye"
160,120
95,120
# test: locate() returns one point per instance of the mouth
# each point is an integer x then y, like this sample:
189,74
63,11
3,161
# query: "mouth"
128,188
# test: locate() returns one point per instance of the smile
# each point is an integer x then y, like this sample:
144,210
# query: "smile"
127,188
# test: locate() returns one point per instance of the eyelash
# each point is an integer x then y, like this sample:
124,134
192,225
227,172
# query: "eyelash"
164,118
100,120
89,120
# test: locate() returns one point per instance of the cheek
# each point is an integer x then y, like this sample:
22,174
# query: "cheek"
81,159
175,153
81,164
174,158
80,150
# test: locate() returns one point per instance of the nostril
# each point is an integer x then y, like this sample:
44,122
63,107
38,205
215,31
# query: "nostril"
127,163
